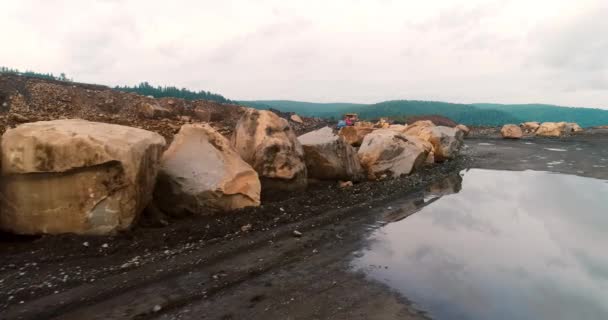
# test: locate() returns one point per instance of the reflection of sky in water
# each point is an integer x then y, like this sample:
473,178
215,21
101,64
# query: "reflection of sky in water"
509,245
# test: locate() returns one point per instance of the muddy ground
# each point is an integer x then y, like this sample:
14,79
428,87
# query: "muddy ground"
252,264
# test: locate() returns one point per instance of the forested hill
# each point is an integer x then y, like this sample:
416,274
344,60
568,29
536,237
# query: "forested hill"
470,114
310,109
586,117
146,89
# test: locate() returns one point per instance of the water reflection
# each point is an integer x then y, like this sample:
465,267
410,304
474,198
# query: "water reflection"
509,245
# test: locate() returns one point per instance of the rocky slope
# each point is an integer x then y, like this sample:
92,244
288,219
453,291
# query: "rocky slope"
26,99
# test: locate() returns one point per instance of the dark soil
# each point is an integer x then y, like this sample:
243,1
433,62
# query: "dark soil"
84,270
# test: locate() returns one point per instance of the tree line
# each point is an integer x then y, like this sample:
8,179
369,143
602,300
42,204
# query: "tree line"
146,89
29,73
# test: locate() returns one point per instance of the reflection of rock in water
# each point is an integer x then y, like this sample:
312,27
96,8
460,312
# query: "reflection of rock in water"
405,207
449,185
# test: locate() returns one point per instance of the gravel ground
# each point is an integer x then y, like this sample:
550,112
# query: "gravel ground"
285,260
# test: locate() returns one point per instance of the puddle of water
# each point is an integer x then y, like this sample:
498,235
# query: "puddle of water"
485,144
504,245
556,149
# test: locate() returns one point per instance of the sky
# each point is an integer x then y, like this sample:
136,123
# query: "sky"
504,51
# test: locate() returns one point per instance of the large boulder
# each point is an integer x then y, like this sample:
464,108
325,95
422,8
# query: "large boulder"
201,173
329,157
354,134
511,131
386,151
269,145
446,141
76,176
415,128
530,127
152,110
551,129
424,145
464,129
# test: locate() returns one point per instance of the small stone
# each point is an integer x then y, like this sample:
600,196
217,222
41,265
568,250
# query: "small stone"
105,245
345,184
157,308
86,244
246,228
297,233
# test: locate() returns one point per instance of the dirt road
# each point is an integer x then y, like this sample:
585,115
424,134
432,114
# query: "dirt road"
286,260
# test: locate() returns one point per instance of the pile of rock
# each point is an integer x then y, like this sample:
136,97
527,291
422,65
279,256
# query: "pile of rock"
545,129
557,129
400,149
76,176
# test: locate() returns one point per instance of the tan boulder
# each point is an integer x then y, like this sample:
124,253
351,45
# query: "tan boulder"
201,173
386,152
76,176
530,127
446,141
354,134
329,157
464,129
152,110
551,129
269,145
424,145
296,118
415,128
511,131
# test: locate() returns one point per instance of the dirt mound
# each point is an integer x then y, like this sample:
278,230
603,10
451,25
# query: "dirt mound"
437,120
26,99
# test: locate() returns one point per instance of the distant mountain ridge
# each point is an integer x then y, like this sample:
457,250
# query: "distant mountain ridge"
488,114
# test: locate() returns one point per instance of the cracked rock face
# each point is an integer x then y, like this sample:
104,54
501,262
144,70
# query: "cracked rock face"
270,146
201,173
446,141
386,151
76,176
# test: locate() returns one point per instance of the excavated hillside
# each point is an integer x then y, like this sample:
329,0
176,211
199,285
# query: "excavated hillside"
26,99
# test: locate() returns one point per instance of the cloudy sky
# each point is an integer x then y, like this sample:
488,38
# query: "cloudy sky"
509,51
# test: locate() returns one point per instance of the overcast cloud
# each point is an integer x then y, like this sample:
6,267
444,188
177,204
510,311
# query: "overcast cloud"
509,51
